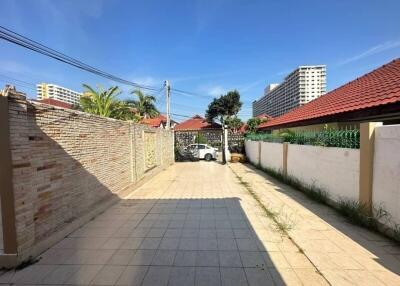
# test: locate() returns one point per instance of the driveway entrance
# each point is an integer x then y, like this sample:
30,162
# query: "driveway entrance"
193,224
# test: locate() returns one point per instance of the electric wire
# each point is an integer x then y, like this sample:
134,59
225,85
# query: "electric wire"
30,44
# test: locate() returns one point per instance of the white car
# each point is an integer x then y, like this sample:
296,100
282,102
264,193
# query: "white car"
202,151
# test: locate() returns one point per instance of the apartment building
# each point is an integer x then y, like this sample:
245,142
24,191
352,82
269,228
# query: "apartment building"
302,85
52,91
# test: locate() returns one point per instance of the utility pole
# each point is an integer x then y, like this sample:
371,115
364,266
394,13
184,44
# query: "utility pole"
167,95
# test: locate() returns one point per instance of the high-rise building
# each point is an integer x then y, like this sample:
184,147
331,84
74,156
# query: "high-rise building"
48,90
301,86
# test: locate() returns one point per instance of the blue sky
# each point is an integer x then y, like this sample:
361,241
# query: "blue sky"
205,46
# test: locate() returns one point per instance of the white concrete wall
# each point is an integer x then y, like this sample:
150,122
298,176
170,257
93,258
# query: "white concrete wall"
252,152
272,155
386,180
335,170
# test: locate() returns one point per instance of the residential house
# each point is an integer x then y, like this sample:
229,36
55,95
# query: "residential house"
374,96
195,128
159,122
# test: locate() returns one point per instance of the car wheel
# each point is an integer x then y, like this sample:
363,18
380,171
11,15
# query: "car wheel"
208,157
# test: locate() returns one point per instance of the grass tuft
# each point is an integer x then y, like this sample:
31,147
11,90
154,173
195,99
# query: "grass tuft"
376,219
282,223
359,214
311,191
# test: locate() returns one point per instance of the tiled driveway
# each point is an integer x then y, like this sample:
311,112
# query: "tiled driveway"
193,224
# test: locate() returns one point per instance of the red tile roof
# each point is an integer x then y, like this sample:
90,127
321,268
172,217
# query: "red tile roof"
264,116
56,102
196,123
379,87
156,121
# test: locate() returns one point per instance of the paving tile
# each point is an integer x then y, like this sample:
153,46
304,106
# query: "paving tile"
252,259
173,233
188,244
259,277
32,274
121,257
227,244
99,257
229,259
185,258
207,258
157,276
113,243
132,243
140,232
310,277
284,276
150,243
190,233
207,233
364,277
56,256
108,275
297,260
275,259
169,243
182,276
225,233
142,257
246,244
156,232
208,276
60,275
164,257
84,275
233,277
207,244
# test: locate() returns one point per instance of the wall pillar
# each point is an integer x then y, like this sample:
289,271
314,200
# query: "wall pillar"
367,141
285,146
6,181
259,153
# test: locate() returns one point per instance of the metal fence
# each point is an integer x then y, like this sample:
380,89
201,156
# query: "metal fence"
346,138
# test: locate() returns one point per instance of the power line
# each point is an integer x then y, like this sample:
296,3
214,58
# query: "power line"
30,44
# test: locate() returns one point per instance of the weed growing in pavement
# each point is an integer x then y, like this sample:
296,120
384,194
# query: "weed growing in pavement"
354,211
359,214
281,223
311,191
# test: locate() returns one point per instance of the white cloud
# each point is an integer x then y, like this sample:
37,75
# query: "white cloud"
251,85
216,91
372,51
147,80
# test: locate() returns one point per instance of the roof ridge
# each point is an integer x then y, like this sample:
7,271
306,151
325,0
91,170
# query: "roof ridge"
371,89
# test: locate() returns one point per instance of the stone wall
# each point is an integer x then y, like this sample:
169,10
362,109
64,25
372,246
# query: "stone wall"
67,162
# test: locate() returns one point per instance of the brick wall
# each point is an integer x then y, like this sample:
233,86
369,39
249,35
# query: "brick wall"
66,162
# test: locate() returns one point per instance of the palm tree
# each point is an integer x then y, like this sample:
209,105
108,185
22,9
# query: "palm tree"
105,103
144,105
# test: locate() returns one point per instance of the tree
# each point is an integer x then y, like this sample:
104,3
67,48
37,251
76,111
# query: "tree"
144,104
234,123
105,103
253,123
223,108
